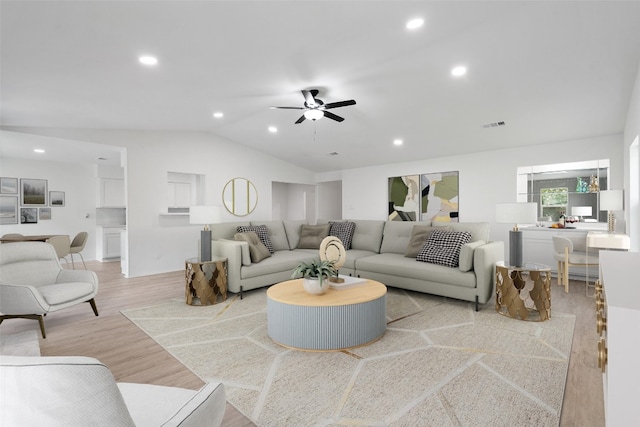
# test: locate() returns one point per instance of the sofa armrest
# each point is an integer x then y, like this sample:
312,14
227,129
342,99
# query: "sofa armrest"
232,251
21,299
485,258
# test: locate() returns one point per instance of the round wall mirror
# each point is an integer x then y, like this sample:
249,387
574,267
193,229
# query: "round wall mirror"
240,196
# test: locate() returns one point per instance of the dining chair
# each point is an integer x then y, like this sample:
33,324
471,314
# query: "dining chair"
62,245
77,245
567,256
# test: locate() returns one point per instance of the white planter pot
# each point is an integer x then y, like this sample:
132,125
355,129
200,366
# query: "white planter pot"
312,286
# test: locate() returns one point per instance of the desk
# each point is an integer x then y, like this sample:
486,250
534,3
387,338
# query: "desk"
611,241
34,238
518,297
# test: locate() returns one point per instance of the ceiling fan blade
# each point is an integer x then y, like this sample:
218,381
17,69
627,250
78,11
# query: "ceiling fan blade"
309,97
301,119
330,115
288,108
339,104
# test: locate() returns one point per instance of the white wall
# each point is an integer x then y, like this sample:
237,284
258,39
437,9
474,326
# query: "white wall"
159,243
631,132
330,200
79,182
486,178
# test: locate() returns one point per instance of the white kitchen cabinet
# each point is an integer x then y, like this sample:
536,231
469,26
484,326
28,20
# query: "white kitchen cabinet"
108,245
112,192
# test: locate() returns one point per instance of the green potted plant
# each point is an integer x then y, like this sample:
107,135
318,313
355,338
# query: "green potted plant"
315,275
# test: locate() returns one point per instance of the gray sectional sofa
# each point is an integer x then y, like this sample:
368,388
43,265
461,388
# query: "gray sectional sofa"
377,252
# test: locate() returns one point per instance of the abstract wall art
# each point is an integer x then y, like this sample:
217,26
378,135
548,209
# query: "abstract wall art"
425,197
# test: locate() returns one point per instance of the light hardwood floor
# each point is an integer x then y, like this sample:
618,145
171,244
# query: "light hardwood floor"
134,357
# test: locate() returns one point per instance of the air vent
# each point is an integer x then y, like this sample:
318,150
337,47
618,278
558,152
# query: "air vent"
493,125
333,153
102,158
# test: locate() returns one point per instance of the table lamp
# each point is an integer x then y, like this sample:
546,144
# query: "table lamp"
611,200
581,211
205,215
516,213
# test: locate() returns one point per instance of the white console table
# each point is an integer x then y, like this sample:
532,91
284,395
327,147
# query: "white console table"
605,240
618,306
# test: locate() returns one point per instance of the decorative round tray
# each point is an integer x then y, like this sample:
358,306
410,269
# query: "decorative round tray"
332,249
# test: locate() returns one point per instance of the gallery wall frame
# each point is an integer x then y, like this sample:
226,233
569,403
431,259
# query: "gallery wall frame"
28,215
8,185
8,210
33,192
44,214
424,197
56,198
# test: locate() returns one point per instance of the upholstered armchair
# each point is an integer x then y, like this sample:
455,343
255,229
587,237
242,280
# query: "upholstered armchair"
32,283
72,391
568,253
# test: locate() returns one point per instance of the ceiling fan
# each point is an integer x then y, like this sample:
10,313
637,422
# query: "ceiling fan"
316,109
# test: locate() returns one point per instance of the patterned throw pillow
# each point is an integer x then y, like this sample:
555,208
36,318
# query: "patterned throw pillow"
343,231
443,247
261,231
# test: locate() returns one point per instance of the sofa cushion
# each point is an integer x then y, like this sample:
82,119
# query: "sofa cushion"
312,235
226,230
443,247
419,236
367,235
277,234
279,262
466,255
257,249
398,265
478,230
343,230
292,228
396,235
261,231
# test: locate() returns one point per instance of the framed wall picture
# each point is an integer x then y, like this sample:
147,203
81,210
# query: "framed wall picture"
8,185
56,198
44,214
404,198
33,192
28,215
8,209
439,197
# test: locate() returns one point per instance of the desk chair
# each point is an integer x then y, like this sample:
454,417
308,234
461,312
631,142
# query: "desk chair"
567,257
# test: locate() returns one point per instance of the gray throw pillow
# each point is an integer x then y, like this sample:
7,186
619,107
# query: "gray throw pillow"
312,235
257,249
261,231
419,235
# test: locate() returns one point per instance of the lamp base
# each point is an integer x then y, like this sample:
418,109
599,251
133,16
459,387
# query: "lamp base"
205,245
515,248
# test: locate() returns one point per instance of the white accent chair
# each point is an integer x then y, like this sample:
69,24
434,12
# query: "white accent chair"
567,255
79,391
32,283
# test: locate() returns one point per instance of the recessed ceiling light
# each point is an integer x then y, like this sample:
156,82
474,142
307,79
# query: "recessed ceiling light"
273,129
218,115
458,71
415,23
397,142
148,60
38,150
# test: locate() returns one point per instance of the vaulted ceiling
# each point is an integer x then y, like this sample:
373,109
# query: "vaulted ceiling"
550,71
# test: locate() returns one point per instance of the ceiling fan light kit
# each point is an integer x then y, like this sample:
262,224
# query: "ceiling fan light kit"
316,109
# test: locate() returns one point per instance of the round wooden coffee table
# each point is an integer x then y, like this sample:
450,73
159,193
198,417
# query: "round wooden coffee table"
336,320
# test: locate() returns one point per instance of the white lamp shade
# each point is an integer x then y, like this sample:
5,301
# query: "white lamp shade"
517,213
205,214
611,200
581,211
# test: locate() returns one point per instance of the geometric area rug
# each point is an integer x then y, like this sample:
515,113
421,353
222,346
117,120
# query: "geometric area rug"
440,363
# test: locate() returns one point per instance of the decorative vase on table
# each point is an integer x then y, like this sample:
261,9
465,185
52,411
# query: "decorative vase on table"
313,286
